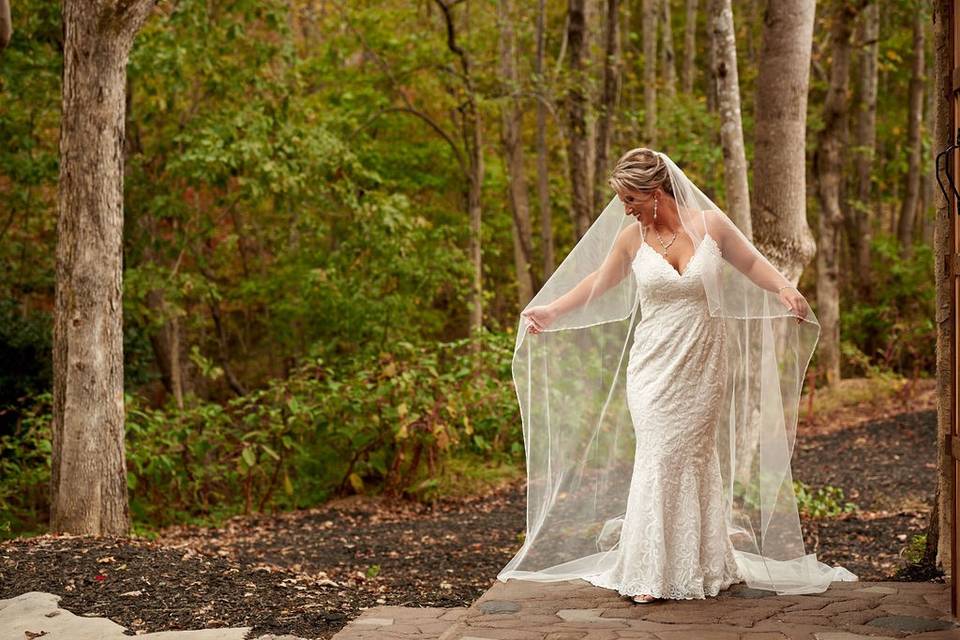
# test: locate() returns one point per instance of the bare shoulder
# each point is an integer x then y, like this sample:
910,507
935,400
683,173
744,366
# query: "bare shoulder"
718,225
629,239
714,219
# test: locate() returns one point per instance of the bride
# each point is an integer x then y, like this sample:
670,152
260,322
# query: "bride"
665,475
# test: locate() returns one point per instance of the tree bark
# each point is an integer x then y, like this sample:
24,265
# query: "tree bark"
726,77
6,24
911,200
650,72
543,178
608,103
859,224
577,119
88,482
511,126
690,46
943,252
472,134
828,165
778,207
929,183
668,61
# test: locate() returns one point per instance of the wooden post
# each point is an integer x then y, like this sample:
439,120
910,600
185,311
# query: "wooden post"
953,162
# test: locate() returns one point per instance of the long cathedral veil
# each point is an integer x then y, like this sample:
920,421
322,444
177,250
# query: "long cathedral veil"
579,437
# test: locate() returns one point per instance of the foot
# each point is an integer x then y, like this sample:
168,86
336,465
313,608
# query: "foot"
644,598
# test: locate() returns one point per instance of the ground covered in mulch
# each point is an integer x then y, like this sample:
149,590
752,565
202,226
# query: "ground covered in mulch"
308,573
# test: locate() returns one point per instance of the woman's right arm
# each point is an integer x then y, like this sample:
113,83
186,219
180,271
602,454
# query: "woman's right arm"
614,268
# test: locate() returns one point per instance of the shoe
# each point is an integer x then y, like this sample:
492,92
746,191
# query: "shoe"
644,599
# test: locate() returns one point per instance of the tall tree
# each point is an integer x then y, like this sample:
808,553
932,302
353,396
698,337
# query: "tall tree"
911,199
472,134
543,178
778,206
727,80
649,35
829,160
88,482
608,101
859,227
577,117
511,118
929,183
667,60
690,46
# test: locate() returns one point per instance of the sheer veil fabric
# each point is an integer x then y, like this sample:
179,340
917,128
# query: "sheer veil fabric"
578,434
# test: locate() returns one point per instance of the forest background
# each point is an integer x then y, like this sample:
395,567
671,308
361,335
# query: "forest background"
334,212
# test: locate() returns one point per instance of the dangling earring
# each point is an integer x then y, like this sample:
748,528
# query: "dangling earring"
655,200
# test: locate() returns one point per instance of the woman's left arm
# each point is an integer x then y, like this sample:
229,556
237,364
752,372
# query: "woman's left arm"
741,253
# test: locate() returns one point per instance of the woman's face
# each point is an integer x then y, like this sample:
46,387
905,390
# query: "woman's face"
635,202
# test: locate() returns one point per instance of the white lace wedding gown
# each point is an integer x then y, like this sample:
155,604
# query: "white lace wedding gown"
673,540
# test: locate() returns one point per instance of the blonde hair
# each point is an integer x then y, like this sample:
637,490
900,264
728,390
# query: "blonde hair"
640,169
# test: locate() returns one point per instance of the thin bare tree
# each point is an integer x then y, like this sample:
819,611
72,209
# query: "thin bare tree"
829,161
727,80
609,98
668,63
650,71
859,222
511,125
543,179
689,46
576,107
911,199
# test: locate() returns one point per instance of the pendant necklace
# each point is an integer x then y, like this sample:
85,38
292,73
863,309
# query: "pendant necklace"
666,247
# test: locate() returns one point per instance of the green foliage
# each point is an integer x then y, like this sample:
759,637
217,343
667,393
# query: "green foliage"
386,423
916,546
25,471
825,502
894,328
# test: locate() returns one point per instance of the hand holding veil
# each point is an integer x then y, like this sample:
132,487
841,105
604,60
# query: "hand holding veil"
578,435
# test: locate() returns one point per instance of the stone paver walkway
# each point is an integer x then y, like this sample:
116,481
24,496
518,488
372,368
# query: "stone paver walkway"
577,610
36,614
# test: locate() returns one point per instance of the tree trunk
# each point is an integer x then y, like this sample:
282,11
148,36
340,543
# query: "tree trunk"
472,134
690,46
88,482
650,72
828,165
911,200
166,345
929,183
726,77
711,84
943,251
859,224
543,178
778,207
577,118
667,61
6,24
511,126
608,103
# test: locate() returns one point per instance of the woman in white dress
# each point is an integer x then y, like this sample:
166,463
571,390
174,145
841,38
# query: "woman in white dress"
675,533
